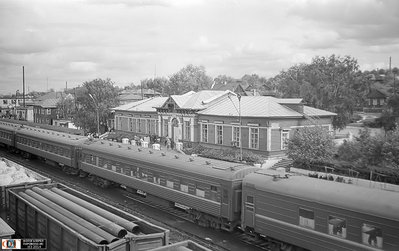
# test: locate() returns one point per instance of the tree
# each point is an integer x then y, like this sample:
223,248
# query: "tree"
66,107
189,78
310,145
103,96
326,83
156,84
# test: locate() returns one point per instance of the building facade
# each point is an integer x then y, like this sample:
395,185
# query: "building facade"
221,120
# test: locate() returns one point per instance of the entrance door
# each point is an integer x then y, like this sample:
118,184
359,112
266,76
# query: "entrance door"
175,130
249,211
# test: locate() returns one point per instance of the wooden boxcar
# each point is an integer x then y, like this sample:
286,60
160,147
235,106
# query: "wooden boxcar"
31,218
209,189
319,214
50,145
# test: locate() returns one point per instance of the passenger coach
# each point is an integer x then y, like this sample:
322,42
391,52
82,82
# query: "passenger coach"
61,148
209,190
320,215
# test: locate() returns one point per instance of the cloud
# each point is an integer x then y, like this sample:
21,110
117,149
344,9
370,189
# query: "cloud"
372,21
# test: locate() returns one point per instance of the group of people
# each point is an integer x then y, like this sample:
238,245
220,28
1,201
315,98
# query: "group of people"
168,142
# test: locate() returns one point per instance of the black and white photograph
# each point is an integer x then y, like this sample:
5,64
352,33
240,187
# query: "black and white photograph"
178,125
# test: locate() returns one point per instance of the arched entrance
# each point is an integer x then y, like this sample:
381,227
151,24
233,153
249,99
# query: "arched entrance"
175,130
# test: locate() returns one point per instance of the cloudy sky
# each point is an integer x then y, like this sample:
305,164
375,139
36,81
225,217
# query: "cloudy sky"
74,41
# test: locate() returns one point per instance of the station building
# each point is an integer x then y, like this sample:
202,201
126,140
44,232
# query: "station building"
220,119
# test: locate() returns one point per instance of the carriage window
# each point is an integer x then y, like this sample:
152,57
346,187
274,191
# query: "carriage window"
184,188
337,226
372,235
199,192
169,183
306,218
250,199
213,188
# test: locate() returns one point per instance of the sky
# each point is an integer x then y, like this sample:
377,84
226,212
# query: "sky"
64,43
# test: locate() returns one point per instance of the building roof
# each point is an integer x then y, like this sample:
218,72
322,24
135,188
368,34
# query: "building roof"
145,105
129,96
374,93
196,101
49,100
315,112
260,106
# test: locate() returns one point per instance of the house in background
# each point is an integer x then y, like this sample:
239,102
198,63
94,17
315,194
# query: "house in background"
45,107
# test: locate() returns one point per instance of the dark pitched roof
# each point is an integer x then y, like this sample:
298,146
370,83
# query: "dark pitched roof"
374,93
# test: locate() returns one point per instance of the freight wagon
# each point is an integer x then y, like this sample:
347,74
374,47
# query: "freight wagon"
19,181
71,220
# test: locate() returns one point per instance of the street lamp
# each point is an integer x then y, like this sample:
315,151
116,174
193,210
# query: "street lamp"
239,119
98,117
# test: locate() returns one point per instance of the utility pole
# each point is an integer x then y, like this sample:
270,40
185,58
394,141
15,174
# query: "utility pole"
23,86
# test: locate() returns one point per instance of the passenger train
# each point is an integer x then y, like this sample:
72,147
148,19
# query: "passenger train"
293,212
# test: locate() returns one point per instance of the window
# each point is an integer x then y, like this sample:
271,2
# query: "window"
48,111
337,226
306,218
148,127
184,188
5,102
372,235
138,125
254,138
165,127
214,188
169,183
284,139
200,192
219,135
131,124
204,133
187,130
236,136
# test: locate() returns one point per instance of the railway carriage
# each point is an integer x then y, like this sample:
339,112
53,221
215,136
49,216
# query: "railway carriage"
320,215
60,148
209,190
7,133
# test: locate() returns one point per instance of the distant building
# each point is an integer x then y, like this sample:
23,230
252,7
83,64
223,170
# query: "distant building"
45,107
212,118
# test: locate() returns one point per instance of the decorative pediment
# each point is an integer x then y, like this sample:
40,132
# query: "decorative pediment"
170,105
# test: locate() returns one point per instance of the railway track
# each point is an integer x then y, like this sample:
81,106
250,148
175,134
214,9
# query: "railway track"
136,204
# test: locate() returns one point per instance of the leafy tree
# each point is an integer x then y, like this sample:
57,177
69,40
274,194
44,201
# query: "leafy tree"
326,83
222,79
189,78
103,97
253,80
157,84
66,107
310,145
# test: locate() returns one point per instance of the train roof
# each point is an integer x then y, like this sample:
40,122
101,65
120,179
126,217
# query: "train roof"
64,138
373,201
174,161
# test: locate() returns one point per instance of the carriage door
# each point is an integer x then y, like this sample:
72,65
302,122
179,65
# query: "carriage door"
249,211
